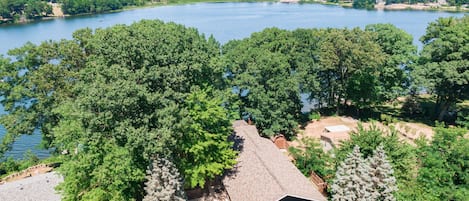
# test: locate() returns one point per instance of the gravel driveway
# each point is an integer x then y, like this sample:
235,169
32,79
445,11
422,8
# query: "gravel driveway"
36,188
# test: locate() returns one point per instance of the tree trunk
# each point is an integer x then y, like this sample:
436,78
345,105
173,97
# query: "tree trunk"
443,109
338,106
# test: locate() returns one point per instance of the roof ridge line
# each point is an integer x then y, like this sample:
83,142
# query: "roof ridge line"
262,160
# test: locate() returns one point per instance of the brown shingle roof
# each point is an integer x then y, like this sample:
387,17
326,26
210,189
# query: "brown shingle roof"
263,173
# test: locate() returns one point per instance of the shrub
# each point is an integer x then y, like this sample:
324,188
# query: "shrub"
314,116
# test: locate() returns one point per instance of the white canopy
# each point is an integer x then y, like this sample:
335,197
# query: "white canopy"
337,128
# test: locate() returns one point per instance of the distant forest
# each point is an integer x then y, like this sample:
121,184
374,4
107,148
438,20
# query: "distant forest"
24,10
21,10
14,10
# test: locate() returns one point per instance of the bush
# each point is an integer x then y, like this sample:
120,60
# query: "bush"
387,119
314,116
411,107
310,157
9,165
463,118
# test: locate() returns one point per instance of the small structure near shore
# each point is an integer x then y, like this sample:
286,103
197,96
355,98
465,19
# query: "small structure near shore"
289,1
333,135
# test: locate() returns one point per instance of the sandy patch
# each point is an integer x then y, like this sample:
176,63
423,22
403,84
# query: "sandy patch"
56,10
407,131
36,188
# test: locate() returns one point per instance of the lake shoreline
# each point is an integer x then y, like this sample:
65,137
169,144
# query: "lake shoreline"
395,7
381,6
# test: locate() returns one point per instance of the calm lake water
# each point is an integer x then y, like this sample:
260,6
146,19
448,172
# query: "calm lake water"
225,21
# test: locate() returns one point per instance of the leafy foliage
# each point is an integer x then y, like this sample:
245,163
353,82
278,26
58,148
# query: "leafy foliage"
205,151
92,6
115,97
411,106
444,63
368,4
349,62
262,74
400,54
444,166
463,119
310,157
14,9
10,165
34,84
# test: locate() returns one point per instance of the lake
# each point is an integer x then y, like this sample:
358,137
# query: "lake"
225,21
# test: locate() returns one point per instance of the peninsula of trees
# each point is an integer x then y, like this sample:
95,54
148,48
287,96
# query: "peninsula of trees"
125,101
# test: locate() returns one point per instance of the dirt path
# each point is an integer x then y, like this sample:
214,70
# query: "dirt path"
35,188
31,171
57,10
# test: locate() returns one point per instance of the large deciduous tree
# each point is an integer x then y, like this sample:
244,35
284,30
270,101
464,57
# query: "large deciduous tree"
444,62
349,60
262,72
117,97
39,80
399,56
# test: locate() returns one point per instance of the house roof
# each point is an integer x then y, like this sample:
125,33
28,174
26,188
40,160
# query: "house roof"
263,172
337,128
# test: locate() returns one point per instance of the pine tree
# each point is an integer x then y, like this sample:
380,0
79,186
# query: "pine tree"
163,182
352,180
383,181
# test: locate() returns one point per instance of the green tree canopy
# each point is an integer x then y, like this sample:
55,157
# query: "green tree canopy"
400,54
262,72
444,62
115,98
349,60
309,156
444,171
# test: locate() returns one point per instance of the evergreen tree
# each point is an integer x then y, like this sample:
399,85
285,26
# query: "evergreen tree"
163,181
383,181
352,180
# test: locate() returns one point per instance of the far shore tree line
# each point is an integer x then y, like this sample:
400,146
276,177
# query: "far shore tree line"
25,10
128,100
22,10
